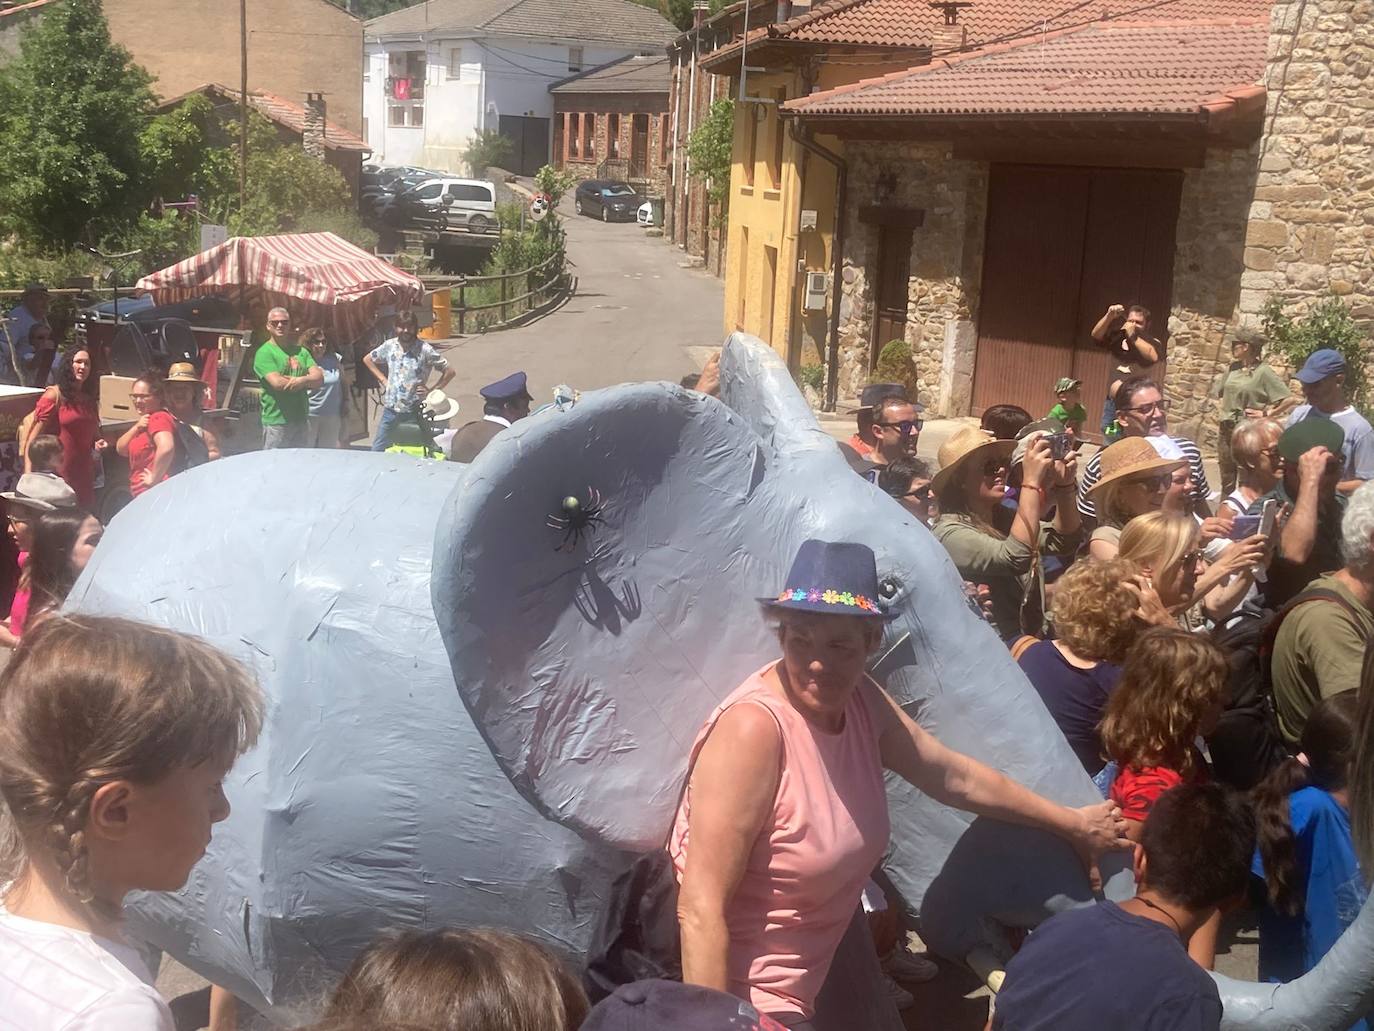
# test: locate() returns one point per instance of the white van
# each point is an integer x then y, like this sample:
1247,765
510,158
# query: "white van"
471,203
444,203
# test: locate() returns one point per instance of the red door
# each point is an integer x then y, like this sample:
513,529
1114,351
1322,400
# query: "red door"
1062,244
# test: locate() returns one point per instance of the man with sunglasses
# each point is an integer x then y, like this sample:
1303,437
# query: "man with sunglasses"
896,429
288,373
1143,411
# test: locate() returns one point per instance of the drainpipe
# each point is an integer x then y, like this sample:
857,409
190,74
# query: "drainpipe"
832,358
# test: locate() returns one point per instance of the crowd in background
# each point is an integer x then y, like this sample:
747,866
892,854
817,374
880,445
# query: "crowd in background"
1203,655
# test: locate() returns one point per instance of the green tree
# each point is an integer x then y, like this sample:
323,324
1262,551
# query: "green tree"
1328,323
72,108
487,149
679,12
372,8
709,148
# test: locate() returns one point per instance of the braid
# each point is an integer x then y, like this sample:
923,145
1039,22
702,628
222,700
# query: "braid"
69,838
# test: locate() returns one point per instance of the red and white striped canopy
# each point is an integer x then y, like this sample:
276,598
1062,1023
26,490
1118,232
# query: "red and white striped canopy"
320,278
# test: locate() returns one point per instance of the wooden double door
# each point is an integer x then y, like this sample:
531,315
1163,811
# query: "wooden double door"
1063,244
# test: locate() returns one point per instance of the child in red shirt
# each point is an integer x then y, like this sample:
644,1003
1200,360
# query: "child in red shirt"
1172,691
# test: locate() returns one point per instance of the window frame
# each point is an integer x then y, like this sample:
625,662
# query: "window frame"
576,63
455,75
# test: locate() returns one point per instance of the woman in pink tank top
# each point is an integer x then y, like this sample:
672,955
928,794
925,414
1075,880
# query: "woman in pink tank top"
785,814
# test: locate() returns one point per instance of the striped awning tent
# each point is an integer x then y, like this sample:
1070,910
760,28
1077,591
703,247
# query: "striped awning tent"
320,278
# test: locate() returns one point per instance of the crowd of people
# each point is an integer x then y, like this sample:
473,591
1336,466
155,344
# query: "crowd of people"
1205,658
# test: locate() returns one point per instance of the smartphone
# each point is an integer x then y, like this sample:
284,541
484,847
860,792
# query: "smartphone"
1268,516
1060,445
1244,526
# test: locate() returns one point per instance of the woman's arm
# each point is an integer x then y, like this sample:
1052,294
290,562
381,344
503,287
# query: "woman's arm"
978,555
733,785
1103,550
164,447
211,443
126,438
964,783
43,413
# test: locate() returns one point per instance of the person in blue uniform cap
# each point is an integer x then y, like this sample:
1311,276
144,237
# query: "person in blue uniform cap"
504,402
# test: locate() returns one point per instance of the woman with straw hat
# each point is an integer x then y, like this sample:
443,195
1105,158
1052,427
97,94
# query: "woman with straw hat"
183,391
1135,480
970,486
785,810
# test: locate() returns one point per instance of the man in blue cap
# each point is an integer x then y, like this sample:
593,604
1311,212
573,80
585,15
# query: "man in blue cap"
1323,384
504,402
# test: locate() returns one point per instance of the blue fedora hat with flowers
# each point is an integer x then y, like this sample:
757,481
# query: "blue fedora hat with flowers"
832,578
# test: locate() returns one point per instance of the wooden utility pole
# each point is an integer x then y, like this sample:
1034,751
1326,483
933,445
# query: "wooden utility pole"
243,104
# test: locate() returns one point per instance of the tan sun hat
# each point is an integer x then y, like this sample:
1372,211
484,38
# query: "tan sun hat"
968,443
183,372
1132,456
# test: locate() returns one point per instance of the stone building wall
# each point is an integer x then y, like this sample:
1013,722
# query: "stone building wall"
1208,273
946,255
1312,221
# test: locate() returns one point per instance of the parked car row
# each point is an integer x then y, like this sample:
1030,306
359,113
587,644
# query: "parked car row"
404,197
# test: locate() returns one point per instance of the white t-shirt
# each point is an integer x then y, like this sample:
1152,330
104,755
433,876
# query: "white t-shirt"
55,978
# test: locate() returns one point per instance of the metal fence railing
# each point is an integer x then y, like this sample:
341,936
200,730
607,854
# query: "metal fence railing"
480,303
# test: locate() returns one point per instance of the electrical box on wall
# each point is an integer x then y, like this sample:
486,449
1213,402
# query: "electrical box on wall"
808,219
815,291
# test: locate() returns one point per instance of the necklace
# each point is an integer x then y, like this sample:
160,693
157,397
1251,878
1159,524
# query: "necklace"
1158,908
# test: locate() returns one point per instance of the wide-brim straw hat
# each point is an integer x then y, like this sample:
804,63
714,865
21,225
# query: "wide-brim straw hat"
968,443
1132,456
183,372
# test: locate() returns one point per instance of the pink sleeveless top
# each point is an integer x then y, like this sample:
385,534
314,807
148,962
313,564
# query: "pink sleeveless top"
802,882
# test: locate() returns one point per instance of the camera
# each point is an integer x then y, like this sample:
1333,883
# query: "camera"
1061,445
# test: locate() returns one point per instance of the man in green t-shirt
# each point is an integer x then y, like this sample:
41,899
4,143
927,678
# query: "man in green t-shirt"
288,373
1320,645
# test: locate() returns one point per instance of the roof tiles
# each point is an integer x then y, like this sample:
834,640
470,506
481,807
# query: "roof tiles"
611,21
628,75
914,23
1107,68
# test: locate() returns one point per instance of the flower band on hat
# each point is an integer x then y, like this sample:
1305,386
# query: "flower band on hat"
829,597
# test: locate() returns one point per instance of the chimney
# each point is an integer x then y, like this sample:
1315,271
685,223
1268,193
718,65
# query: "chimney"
950,35
312,134
700,10
784,11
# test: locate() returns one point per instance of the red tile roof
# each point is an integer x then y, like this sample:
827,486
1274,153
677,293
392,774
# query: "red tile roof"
21,8
283,112
913,23
1185,67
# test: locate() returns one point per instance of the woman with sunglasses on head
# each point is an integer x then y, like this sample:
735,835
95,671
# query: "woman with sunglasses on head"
71,411
1135,480
150,443
973,525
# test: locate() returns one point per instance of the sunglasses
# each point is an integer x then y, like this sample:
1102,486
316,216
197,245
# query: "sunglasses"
993,466
1156,483
1154,406
906,427
921,493
279,322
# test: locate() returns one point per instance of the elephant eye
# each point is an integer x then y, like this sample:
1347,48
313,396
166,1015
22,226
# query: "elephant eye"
888,588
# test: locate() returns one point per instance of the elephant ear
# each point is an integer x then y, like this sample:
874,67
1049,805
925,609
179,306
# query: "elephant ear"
590,663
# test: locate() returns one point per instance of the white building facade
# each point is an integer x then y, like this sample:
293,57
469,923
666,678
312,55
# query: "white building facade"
437,74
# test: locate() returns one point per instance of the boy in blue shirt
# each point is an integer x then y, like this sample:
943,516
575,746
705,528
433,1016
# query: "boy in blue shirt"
1127,966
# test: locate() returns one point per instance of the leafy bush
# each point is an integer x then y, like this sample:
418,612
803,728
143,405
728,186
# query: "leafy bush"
813,376
1328,323
896,365
487,149
709,149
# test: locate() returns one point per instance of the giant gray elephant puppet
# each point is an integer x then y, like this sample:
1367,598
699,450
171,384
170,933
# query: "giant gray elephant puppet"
476,719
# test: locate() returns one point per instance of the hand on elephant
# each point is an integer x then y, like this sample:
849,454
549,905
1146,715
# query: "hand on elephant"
1101,828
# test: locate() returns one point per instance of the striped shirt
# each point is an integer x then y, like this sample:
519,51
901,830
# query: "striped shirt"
1093,473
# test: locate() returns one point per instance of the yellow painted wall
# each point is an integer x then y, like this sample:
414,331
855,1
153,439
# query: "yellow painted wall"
765,215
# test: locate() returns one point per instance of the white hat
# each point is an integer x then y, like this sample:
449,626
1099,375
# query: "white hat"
442,408
42,491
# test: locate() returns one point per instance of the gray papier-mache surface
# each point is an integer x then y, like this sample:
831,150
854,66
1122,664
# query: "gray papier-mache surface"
476,718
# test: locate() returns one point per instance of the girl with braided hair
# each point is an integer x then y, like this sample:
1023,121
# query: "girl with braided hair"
115,738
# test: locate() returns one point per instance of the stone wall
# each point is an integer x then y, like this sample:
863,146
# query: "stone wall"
1312,221
1208,274
946,255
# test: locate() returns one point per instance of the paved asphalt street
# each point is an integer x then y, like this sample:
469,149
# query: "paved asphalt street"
635,315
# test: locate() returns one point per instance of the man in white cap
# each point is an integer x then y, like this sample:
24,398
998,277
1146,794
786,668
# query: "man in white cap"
1323,384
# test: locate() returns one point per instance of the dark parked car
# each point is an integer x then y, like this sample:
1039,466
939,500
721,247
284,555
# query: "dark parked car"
607,199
